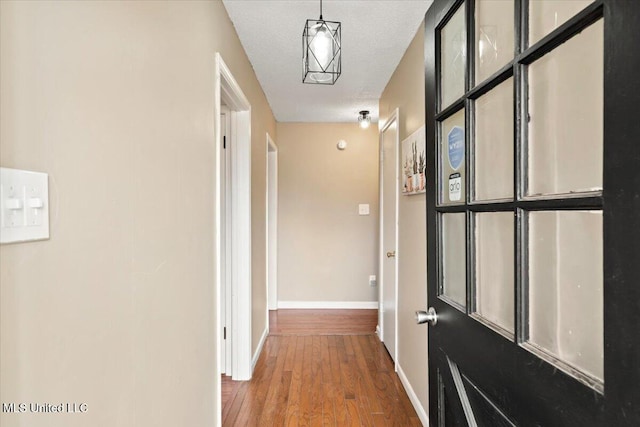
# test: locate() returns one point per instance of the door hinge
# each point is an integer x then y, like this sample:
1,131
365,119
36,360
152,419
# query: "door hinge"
224,142
224,333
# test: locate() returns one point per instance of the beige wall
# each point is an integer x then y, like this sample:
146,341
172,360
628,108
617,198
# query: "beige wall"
326,251
115,101
405,91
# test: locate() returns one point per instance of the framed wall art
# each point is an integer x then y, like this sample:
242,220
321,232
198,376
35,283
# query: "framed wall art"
413,162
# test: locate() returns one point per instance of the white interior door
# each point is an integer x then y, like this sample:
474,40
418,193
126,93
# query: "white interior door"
389,243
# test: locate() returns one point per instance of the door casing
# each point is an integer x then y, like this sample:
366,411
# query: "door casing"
227,92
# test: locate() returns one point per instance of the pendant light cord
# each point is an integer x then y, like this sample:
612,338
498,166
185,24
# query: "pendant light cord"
321,10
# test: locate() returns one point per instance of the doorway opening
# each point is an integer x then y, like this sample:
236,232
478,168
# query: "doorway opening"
272,224
232,237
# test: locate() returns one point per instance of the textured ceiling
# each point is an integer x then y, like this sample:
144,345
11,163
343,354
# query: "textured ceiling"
375,35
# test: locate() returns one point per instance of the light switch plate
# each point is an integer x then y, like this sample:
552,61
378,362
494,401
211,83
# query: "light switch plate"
24,205
363,209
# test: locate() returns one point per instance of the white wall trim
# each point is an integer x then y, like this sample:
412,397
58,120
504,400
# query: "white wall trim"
228,92
417,405
256,355
329,304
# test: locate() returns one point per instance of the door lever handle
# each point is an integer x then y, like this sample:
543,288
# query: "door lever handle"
427,316
391,254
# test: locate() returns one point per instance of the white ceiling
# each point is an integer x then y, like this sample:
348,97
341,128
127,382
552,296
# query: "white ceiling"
375,35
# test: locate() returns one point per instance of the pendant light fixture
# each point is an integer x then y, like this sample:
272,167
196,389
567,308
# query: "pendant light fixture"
364,119
321,51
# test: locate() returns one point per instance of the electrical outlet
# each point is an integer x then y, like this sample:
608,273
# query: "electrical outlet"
363,209
372,280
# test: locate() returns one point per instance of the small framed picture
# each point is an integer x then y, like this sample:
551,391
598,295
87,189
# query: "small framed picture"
413,163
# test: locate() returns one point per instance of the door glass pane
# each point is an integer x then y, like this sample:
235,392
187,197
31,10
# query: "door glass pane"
566,117
494,36
453,48
452,164
494,268
547,15
454,272
566,287
493,160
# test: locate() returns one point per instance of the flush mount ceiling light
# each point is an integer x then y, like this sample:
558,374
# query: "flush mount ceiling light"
321,51
364,119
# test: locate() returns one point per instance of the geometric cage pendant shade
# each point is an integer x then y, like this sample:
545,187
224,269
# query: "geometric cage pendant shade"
321,51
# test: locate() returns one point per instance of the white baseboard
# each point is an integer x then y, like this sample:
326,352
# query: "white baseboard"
256,355
378,332
422,414
329,304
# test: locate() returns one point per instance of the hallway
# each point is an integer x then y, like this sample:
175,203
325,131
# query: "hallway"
320,367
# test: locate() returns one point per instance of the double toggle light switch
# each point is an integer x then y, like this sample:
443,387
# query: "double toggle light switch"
24,199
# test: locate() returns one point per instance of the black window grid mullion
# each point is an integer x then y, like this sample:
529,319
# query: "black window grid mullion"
521,131
469,181
498,77
574,203
521,276
520,101
522,26
469,141
451,109
471,151
471,38
438,61
471,262
520,173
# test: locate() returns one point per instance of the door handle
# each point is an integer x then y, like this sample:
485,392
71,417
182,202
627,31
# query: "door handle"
391,254
427,316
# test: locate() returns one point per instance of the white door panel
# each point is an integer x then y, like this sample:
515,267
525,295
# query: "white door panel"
389,200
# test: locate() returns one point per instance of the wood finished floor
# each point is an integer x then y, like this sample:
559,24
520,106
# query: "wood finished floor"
331,371
322,322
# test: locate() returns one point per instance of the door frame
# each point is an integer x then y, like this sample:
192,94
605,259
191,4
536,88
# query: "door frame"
225,249
228,92
393,118
272,225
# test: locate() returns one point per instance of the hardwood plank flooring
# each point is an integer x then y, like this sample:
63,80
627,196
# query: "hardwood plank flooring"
322,322
327,372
